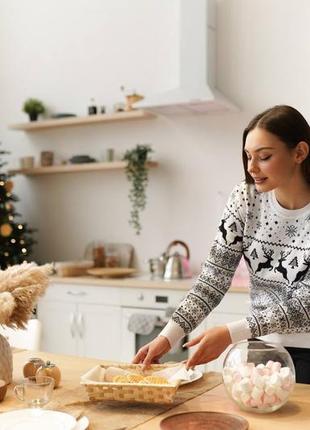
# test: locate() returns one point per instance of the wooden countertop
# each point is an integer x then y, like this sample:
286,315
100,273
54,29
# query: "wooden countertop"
142,281
294,415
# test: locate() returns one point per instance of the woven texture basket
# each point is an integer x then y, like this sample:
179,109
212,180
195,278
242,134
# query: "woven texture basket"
133,392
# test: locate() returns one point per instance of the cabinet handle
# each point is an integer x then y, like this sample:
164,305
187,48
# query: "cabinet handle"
80,325
72,324
80,293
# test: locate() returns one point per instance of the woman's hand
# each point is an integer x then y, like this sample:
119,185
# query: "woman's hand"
151,352
211,344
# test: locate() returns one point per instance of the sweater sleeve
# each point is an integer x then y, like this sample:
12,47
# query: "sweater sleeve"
217,272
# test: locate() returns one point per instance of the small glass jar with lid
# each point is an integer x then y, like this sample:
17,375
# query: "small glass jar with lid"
32,365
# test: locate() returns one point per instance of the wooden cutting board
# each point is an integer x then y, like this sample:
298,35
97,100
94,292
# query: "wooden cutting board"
111,272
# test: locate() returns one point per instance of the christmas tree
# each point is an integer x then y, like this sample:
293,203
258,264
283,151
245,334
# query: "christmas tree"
15,238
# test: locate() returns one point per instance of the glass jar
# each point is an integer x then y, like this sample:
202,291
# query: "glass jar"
258,376
32,365
98,254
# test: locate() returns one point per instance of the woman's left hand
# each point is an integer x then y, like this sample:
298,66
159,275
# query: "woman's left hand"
211,344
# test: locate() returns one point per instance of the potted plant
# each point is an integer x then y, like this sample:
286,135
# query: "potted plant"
33,107
137,174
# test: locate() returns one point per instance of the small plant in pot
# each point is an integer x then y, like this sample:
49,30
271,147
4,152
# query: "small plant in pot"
137,174
33,107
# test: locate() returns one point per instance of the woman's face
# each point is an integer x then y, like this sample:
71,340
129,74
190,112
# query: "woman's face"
270,162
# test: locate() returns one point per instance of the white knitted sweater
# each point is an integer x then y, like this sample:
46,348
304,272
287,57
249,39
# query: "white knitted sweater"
275,243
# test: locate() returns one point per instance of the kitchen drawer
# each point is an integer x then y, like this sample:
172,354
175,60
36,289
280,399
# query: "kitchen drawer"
153,299
83,293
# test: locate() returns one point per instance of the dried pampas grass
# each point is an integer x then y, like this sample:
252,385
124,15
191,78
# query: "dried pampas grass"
20,287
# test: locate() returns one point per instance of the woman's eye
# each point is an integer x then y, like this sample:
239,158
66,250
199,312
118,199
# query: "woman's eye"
265,158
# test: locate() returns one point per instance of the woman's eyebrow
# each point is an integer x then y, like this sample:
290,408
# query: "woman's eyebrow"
260,149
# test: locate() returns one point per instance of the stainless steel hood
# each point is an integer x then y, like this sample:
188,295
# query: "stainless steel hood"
195,87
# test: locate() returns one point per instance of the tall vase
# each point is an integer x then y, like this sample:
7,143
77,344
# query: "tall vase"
6,360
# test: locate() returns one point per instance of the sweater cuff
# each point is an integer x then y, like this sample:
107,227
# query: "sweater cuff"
173,332
239,330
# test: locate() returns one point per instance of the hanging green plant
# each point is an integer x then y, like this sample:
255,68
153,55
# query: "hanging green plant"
137,174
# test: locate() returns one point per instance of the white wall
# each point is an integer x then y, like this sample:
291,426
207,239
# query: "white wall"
263,59
264,52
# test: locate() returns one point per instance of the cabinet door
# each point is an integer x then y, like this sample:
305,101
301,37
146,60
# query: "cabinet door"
99,330
217,319
59,331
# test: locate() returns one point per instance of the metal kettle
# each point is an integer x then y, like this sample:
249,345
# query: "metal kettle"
177,266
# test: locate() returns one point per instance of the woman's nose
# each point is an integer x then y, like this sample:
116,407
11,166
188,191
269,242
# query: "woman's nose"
252,166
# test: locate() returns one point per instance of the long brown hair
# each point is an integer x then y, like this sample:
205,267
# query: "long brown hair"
288,125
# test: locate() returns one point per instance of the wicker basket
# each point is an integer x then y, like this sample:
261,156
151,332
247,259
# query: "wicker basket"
144,393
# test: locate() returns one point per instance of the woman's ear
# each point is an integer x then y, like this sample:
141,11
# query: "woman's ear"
301,151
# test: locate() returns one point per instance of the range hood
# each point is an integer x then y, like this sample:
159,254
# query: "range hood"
195,87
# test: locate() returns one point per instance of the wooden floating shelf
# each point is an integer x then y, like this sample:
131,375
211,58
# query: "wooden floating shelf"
72,168
83,120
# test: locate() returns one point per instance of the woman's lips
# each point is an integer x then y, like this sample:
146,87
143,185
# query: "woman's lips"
259,180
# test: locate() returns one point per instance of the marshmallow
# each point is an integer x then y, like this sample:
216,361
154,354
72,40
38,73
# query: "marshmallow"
258,381
257,393
276,366
282,394
269,400
267,371
245,371
270,390
275,380
260,366
246,385
245,398
236,377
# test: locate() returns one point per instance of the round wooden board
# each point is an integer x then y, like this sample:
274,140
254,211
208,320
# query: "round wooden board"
204,421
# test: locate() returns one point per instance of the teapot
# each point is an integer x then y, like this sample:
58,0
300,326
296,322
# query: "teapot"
177,266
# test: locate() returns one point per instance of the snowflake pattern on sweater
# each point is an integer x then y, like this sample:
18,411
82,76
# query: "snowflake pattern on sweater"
275,243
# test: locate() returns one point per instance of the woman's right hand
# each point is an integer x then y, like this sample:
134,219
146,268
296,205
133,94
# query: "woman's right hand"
152,352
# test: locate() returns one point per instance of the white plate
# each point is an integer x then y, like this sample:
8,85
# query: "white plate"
33,419
194,377
82,424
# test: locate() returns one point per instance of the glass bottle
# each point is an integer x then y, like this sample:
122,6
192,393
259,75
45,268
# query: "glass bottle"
92,108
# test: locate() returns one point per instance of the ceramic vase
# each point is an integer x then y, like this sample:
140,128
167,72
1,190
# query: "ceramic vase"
6,360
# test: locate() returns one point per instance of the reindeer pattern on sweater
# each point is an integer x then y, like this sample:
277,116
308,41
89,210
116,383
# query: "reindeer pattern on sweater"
275,243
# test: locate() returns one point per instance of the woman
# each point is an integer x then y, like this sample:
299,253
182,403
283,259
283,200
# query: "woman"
267,221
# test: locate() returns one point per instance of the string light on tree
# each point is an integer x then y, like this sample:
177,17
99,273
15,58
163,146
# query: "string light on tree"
16,240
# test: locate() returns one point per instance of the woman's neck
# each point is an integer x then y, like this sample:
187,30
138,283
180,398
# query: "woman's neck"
295,196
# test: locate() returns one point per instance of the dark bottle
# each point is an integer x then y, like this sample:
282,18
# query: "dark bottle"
92,108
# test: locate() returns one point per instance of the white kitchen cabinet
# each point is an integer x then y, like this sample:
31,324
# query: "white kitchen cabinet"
57,326
233,307
99,331
81,320
91,321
